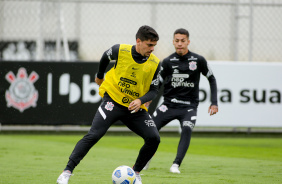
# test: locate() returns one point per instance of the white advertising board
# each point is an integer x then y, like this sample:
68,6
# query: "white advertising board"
249,95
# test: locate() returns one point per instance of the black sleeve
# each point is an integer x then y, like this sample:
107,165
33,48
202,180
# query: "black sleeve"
213,88
206,71
163,72
154,88
109,55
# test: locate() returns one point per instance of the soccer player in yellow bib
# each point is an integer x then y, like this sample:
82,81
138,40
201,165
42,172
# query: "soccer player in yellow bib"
126,88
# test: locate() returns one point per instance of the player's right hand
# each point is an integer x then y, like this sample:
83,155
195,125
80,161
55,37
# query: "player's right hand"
213,109
99,81
134,106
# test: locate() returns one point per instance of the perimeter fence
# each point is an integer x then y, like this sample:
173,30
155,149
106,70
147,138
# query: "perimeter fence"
81,30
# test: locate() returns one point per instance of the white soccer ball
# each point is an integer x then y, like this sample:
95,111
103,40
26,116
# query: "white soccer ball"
123,175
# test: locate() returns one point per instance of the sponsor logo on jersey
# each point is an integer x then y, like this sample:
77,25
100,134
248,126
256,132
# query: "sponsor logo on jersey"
188,124
182,84
155,82
124,49
109,53
180,75
192,65
150,123
179,81
126,100
22,93
192,58
128,81
174,59
124,85
163,108
133,74
174,66
174,100
175,71
209,72
109,106
129,92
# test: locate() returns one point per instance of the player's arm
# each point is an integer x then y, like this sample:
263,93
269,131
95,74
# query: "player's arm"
213,108
163,71
108,55
162,75
206,70
149,96
154,87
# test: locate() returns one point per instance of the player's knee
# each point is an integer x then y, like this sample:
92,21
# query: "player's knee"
153,140
188,126
92,137
187,129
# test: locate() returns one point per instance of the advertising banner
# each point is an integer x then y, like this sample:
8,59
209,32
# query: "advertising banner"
61,93
48,93
249,95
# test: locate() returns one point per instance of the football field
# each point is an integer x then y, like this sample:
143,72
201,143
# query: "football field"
34,159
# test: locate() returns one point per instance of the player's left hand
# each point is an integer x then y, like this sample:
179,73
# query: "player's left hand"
134,106
213,109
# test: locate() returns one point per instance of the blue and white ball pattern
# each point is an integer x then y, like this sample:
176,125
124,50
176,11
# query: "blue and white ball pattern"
123,175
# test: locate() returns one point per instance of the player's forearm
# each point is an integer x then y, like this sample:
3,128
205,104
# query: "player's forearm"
104,62
150,95
213,87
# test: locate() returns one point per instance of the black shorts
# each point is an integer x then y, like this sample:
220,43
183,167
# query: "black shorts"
187,116
109,112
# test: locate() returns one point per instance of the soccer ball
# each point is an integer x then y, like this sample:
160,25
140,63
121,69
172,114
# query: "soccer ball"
123,175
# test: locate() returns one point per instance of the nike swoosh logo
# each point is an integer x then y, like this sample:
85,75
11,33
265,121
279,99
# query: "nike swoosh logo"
134,68
174,66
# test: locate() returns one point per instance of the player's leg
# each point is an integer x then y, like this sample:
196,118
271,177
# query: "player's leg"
107,113
105,116
187,123
142,124
162,116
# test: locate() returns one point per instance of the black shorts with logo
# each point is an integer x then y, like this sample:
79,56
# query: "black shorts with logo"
110,111
187,116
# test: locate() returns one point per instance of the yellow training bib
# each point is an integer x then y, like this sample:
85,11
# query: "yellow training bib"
129,80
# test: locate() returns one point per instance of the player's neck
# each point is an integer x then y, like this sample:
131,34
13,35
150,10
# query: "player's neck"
183,54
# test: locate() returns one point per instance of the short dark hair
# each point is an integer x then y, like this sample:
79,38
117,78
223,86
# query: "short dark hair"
181,31
147,33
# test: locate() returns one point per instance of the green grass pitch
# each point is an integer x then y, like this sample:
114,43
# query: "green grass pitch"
33,159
